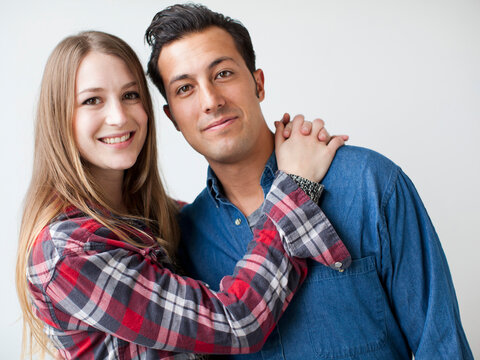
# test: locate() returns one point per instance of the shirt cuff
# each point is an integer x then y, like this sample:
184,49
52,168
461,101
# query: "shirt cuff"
311,188
305,230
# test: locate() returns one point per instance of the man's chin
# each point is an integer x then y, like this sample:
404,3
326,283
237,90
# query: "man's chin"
226,156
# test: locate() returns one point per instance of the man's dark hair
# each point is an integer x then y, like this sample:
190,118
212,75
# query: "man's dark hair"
174,22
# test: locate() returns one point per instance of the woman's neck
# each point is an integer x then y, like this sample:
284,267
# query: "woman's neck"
111,182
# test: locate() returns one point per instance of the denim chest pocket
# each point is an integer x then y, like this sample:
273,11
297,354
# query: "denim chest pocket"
344,310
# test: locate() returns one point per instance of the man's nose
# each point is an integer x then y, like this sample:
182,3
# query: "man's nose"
116,114
211,98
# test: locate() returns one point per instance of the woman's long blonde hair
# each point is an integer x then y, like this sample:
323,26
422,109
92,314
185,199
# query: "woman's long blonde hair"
60,178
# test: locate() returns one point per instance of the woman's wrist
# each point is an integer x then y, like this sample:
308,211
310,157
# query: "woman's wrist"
311,188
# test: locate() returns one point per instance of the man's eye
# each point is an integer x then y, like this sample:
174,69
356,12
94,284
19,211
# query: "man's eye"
133,95
183,89
92,101
224,74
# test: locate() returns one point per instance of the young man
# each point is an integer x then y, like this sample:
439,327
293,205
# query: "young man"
396,298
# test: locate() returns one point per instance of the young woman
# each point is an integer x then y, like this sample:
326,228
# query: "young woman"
95,275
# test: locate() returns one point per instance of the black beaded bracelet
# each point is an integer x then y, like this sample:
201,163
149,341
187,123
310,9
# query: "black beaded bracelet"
311,188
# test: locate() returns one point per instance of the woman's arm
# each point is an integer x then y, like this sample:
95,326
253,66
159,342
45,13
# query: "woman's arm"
125,293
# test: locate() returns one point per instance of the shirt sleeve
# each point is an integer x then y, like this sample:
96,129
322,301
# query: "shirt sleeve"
124,293
306,234
418,278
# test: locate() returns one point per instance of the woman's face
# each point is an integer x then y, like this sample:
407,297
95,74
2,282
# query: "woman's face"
109,123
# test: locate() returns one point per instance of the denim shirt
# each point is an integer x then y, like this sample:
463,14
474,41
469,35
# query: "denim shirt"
395,299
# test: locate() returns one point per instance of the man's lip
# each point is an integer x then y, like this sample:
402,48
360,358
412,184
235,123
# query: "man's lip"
219,122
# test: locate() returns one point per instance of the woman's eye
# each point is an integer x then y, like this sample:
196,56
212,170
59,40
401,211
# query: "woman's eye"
92,101
224,74
133,95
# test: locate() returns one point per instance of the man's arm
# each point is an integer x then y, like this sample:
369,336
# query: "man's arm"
417,277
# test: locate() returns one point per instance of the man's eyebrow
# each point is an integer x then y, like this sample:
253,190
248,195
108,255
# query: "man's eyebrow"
179,77
212,65
220,60
96,89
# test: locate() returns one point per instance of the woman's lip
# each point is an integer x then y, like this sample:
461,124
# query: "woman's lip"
115,140
116,136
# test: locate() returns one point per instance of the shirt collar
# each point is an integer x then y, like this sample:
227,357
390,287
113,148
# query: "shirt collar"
215,189
269,173
214,186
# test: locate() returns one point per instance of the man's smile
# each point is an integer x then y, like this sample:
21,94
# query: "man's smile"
220,124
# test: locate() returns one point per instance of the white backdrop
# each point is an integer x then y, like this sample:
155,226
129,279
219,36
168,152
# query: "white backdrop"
400,77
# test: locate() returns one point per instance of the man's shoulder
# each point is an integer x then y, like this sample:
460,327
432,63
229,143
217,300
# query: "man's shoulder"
359,160
358,168
353,166
202,204
360,157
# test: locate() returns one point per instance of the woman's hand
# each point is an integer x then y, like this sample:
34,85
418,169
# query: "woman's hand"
306,128
309,149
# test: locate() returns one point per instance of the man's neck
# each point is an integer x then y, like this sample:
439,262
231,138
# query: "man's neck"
241,180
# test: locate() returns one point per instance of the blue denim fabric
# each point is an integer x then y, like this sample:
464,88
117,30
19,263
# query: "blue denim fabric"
397,297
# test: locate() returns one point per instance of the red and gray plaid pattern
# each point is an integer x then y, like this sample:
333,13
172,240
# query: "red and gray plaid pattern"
101,298
301,233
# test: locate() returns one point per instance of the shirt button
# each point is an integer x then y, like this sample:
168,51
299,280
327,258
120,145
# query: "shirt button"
338,265
238,221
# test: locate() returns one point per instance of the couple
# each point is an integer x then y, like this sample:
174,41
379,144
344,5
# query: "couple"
99,235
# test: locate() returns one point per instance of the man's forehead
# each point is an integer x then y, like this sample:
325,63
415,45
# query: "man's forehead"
198,49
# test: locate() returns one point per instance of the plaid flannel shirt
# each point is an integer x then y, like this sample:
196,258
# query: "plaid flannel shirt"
102,298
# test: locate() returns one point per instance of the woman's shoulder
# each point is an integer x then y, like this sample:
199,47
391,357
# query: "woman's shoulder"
74,231
66,233
70,224
71,233
70,230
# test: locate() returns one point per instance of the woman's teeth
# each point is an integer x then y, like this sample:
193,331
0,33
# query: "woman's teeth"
116,140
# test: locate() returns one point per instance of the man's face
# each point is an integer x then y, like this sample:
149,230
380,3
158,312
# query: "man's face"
213,98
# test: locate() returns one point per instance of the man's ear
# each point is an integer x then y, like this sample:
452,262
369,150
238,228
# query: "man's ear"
259,83
166,110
